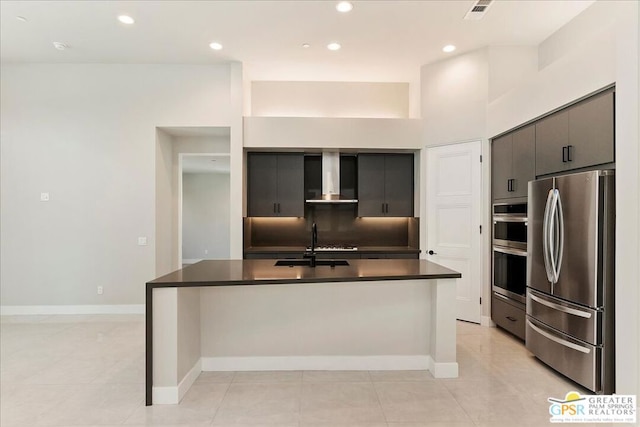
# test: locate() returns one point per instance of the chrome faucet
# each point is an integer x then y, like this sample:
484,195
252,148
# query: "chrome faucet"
314,242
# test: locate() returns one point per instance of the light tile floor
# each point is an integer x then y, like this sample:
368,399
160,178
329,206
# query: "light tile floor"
89,371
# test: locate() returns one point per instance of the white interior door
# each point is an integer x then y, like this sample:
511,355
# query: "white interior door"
454,188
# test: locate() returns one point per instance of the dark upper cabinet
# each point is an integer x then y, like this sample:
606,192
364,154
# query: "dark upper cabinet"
580,136
591,131
385,185
275,184
512,163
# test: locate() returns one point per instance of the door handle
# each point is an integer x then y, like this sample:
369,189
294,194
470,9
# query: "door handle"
432,253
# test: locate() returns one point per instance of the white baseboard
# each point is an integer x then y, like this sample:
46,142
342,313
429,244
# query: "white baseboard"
17,310
315,363
173,395
189,379
443,370
165,395
486,321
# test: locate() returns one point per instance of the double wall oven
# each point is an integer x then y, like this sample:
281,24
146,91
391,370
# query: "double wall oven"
510,251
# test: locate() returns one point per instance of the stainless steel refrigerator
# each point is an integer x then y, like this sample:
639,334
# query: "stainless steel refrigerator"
570,276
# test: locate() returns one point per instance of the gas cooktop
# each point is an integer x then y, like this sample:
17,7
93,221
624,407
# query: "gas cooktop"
334,248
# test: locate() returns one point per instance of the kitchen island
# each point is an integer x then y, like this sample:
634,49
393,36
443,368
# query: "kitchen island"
252,315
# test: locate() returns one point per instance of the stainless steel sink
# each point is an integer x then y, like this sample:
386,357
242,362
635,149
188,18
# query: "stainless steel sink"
306,262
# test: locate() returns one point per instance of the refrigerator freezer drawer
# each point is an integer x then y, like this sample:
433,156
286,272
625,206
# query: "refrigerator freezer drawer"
575,320
573,358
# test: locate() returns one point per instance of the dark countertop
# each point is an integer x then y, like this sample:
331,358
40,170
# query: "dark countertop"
264,272
361,250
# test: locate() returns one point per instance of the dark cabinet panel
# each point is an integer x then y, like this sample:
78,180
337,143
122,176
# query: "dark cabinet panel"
508,316
262,180
275,184
398,185
512,163
385,185
579,136
501,154
552,136
290,186
523,160
591,131
371,195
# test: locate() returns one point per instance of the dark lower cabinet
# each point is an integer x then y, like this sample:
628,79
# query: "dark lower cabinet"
508,314
385,185
275,185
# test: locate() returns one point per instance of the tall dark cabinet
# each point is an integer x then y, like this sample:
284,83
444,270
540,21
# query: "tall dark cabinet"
385,185
512,163
275,184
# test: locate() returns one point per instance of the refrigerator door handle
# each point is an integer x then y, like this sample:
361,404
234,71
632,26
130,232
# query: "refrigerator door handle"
545,237
560,249
554,243
560,341
561,308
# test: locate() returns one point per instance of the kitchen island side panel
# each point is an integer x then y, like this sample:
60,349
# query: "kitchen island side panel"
319,319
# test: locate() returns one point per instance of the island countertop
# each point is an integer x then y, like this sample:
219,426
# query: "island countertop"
264,272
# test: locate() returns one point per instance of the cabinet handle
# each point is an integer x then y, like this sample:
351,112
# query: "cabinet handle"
513,319
274,208
386,207
383,208
564,154
510,184
278,207
569,149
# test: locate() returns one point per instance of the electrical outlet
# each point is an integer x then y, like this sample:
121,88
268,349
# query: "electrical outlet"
142,241
100,290
44,197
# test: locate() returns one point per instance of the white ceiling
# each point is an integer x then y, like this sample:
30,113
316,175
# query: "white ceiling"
381,40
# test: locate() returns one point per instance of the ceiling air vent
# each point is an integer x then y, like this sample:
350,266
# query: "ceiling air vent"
478,9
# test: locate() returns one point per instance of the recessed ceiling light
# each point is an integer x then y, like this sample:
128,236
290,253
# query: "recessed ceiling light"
306,45
60,46
21,18
449,48
126,19
215,46
333,46
344,6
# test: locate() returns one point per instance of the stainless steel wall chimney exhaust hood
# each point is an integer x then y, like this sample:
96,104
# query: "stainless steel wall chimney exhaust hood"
331,180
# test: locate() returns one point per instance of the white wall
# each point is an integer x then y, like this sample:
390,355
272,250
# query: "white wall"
320,132
165,213
454,98
329,99
205,216
86,133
